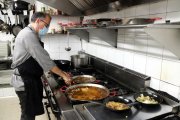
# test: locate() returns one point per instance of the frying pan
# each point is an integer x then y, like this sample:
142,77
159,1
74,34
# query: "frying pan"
83,79
63,64
152,96
16,28
102,91
119,99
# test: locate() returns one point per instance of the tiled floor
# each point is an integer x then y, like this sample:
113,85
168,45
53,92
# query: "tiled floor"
5,76
7,91
9,102
10,109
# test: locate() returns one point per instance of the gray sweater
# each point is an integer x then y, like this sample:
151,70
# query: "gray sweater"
27,45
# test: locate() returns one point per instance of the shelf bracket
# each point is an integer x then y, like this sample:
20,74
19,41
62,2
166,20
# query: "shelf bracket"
82,33
167,35
107,35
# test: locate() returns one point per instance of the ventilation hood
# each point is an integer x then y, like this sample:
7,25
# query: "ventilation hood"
89,7
167,34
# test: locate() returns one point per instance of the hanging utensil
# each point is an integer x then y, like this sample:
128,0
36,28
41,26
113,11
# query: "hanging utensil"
68,48
4,26
16,28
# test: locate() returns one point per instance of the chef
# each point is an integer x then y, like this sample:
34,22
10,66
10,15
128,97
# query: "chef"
30,61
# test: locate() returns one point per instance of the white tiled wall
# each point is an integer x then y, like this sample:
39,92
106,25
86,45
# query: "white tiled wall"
56,44
139,51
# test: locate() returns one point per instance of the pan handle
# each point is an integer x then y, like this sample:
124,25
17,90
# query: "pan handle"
168,95
133,103
116,88
162,93
96,103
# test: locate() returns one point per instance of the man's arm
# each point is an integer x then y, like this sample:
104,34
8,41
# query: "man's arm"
64,75
42,57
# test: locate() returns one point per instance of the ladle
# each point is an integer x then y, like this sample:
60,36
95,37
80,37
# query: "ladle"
68,48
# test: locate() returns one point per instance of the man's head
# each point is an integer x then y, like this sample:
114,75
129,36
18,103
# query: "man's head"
40,21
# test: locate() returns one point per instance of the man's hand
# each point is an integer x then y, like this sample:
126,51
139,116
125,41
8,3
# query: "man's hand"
67,78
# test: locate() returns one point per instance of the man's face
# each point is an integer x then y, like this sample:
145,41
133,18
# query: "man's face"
43,23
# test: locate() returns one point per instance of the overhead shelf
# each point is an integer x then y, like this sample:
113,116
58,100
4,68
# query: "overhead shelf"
166,34
107,35
82,28
164,26
126,26
109,27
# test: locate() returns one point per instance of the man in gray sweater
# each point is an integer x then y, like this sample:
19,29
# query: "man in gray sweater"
30,61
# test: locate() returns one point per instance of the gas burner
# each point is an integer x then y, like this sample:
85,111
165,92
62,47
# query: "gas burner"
97,81
63,88
119,92
75,72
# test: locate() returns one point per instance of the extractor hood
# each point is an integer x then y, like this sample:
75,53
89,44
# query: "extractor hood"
89,7
167,34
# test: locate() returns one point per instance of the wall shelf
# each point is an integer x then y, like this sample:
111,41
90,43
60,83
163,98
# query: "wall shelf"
126,26
107,35
166,34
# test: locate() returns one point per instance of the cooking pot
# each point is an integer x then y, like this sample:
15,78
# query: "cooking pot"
78,61
87,92
83,79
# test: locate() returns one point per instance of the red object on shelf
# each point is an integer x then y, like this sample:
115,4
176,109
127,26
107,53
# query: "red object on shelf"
64,24
60,23
154,19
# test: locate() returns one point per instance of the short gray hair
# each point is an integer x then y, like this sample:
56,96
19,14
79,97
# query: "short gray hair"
40,15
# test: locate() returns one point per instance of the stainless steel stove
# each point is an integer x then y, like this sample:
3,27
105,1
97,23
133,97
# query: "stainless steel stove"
62,106
91,111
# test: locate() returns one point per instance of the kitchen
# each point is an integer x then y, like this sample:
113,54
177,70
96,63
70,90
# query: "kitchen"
128,47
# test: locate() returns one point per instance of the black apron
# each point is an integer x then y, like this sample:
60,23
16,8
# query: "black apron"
31,72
